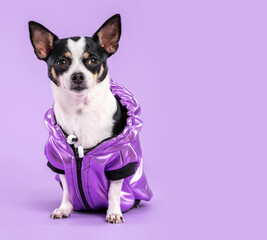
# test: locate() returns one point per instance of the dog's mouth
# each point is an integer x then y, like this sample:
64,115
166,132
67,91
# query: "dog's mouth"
78,88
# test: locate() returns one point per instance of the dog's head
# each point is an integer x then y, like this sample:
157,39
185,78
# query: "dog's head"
77,63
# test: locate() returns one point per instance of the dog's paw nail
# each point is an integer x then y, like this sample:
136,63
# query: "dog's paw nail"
60,213
114,218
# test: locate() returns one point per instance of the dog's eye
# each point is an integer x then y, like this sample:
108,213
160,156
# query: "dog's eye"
62,63
93,61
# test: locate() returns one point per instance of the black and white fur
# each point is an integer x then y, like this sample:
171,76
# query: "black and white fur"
84,104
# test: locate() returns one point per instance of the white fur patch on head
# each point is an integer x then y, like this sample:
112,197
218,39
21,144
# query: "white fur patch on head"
76,49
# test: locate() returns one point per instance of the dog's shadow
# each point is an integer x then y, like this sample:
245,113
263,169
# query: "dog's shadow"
46,205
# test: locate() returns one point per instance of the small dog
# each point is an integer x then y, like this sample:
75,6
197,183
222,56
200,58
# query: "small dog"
93,143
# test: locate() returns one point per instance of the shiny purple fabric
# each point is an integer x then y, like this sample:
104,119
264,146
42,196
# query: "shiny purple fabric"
112,154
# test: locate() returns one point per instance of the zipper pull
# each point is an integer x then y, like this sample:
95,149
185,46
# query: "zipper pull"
80,151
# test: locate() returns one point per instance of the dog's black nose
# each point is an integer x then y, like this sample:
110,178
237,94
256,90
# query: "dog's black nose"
77,78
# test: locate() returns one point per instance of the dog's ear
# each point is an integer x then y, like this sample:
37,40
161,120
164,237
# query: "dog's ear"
42,39
108,35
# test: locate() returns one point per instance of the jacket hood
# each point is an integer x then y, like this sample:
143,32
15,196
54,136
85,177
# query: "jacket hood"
130,132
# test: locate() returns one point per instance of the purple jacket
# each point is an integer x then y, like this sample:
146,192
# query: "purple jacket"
113,159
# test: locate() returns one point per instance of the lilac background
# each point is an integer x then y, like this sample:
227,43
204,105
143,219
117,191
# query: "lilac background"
198,69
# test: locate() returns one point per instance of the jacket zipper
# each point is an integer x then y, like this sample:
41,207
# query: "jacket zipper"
79,178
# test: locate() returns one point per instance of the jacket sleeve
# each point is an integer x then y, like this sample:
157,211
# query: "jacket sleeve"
125,163
55,162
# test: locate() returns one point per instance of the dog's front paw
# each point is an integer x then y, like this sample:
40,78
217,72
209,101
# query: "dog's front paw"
114,218
61,213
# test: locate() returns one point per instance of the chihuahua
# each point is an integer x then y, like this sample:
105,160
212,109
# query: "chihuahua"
91,110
